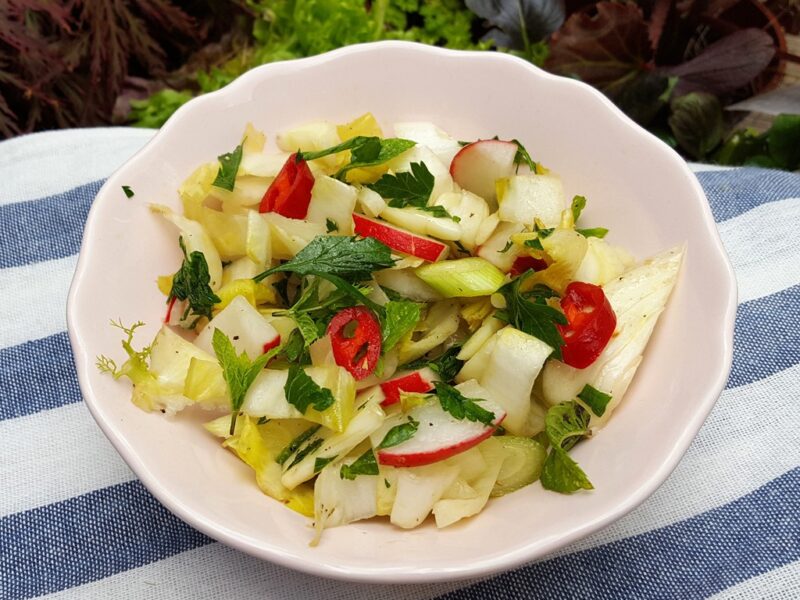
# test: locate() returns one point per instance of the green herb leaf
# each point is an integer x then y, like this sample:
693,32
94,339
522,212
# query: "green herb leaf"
534,318
509,245
369,151
238,370
598,232
578,204
262,421
350,144
522,156
410,188
446,365
301,391
331,226
534,243
562,474
296,443
309,448
363,465
389,149
594,399
349,258
455,403
128,191
321,463
191,283
565,424
399,434
399,318
228,167
307,327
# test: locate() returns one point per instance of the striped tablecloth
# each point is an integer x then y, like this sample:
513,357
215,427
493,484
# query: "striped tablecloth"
75,522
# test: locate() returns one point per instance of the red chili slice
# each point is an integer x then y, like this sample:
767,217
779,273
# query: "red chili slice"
591,324
289,194
357,351
523,263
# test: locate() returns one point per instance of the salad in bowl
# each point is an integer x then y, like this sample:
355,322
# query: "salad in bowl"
394,324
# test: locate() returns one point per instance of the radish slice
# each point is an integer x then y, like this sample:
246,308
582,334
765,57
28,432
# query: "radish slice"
399,239
419,381
478,165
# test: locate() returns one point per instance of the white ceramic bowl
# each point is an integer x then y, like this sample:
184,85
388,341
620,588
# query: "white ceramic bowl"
636,186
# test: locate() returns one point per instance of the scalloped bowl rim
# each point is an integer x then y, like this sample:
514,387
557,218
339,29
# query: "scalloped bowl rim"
385,574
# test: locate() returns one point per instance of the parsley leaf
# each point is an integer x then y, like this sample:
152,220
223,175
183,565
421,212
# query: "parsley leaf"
594,399
331,225
349,258
128,191
410,188
389,149
228,167
399,434
191,283
508,246
440,212
446,365
454,402
296,443
598,232
366,151
302,391
363,465
400,317
578,204
562,474
522,156
238,370
534,318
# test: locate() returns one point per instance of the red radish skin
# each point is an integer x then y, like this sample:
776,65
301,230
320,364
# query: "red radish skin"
274,343
169,309
419,459
399,239
477,166
413,382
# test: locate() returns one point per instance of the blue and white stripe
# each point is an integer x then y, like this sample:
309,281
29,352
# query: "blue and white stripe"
75,523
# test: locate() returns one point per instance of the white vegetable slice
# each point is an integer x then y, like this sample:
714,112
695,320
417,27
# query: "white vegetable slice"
422,222
496,249
472,211
247,329
638,297
339,501
417,490
332,200
316,135
602,262
370,202
289,236
507,366
195,238
427,134
524,198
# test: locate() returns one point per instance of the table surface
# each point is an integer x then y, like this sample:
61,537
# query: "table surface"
75,522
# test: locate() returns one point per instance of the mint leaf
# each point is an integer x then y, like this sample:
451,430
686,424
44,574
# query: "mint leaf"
534,318
128,191
594,399
562,474
191,283
411,188
578,204
228,167
400,317
301,391
454,402
238,370
598,232
312,446
353,142
307,327
296,443
349,258
363,465
565,424
399,434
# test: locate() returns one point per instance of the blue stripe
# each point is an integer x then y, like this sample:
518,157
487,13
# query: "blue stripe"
733,192
37,375
87,538
45,229
694,558
766,336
